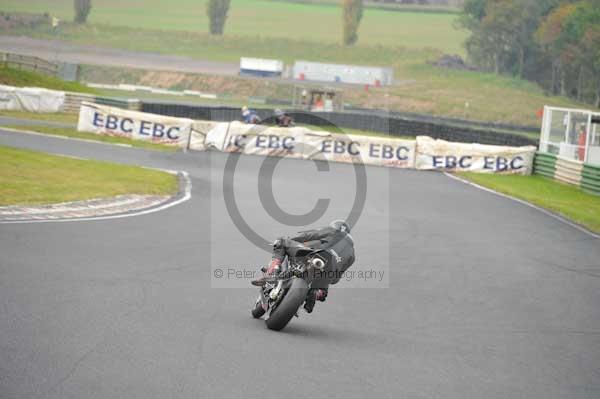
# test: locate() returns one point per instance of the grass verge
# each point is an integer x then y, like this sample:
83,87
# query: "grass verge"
65,132
53,117
20,78
30,177
566,200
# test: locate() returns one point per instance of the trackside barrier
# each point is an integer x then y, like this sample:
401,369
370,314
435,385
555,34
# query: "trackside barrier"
73,102
394,125
303,143
443,155
425,153
31,99
102,119
568,171
36,99
544,164
590,179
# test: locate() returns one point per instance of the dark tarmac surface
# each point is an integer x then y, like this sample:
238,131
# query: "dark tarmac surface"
487,298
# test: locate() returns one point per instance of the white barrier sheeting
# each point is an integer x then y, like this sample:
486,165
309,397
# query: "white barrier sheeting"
31,99
300,142
102,119
444,155
199,131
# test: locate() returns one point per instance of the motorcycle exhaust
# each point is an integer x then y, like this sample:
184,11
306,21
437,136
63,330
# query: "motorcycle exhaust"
317,263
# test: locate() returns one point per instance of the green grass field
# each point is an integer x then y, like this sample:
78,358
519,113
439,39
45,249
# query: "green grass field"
64,132
23,78
436,8
30,177
267,19
404,41
564,199
51,117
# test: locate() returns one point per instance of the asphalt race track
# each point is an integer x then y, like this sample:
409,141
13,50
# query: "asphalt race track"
487,298
57,50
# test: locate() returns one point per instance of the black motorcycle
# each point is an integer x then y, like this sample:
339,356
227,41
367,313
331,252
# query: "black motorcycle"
282,295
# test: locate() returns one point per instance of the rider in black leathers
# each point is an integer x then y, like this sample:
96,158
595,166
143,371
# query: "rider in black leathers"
336,239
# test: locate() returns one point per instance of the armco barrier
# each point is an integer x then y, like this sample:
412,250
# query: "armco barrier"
568,171
590,179
392,125
73,102
441,119
544,164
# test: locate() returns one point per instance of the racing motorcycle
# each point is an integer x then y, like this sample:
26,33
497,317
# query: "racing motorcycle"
283,294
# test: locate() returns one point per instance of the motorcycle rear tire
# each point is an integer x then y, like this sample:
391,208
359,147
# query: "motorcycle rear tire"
294,298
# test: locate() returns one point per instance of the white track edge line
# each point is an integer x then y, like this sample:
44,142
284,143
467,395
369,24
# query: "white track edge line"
187,195
529,204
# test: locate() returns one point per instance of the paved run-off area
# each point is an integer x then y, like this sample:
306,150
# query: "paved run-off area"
487,298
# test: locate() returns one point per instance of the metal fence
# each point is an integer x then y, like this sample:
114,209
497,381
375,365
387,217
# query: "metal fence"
63,70
29,63
73,102
448,120
387,124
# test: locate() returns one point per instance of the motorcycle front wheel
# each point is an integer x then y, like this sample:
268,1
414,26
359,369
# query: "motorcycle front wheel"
294,298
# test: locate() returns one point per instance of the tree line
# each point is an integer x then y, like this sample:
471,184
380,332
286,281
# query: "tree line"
217,11
553,42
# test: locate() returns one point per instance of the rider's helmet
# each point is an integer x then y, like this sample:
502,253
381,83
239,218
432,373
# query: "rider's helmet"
340,225
245,111
278,112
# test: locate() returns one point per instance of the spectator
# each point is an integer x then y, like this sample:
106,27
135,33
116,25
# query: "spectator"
329,103
250,116
318,104
282,119
581,141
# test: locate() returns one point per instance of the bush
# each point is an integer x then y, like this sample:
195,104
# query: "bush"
82,9
352,15
217,14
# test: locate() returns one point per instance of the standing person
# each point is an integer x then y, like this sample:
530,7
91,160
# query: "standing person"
318,104
581,143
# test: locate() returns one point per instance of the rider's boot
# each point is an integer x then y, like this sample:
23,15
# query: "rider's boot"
273,269
314,295
309,304
321,294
